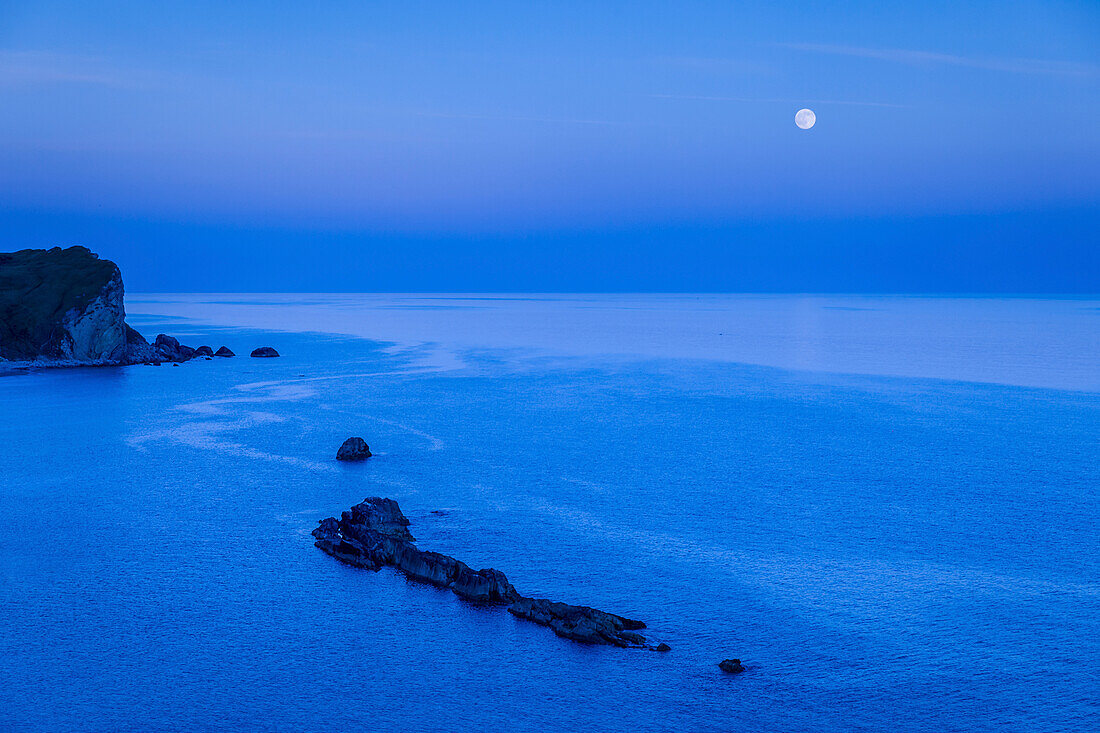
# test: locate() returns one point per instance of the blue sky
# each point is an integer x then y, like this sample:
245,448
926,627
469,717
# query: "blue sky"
558,146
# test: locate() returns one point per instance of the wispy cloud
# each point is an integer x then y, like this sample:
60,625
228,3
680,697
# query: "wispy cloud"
758,100
521,118
924,58
713,64
31,68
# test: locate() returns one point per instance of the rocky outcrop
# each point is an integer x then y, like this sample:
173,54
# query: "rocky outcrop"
353,449
204,351
64,307
264,351
224,351
138,350
733,666
375,533
170,349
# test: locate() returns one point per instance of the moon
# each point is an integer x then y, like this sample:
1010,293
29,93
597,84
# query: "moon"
805,118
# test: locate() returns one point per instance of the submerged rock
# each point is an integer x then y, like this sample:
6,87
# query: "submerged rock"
264,351
353,449
224,351
733,666
375,533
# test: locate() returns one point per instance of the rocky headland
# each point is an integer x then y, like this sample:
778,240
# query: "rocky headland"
375,533
64,307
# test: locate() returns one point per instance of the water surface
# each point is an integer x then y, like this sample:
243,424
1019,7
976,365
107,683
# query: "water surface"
910,548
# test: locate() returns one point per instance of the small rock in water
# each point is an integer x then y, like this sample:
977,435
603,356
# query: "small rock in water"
662,647
265,351
204,351
353,449
224,351
731,665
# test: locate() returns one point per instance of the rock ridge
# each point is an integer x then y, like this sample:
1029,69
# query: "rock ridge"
375,533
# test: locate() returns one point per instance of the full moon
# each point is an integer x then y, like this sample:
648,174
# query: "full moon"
805,118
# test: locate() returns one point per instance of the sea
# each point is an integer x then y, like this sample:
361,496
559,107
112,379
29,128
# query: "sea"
886,507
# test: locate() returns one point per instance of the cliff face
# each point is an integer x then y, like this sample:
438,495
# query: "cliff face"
65,305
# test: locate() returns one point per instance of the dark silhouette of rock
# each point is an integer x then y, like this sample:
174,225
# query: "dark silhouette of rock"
264,351
483,586
170,349
662,648
380,515
224,351
733,666
204,351
353,449
163,340
375,533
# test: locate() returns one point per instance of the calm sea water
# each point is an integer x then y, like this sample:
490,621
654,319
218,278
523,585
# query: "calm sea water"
886,507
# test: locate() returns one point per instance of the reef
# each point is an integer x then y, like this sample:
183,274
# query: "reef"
375,534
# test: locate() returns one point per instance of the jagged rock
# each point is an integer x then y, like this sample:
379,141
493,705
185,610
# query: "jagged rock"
138,350
353,449
224,351
165,341
204,351
375,533
264,351
169,348
733,666
379,515
483,586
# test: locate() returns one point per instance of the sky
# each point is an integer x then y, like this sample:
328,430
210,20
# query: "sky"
558,146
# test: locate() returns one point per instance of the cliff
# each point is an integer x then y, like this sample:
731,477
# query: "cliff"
65,306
